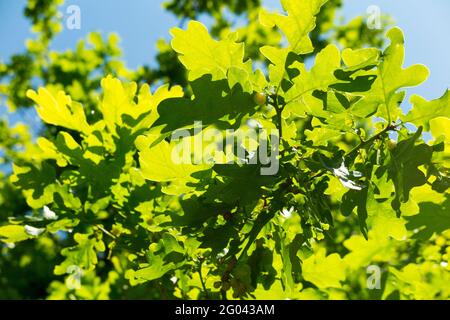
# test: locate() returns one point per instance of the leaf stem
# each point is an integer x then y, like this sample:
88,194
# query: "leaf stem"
279,111
202,280
106,231
363,143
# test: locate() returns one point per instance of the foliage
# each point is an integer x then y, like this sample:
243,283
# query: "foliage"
101,211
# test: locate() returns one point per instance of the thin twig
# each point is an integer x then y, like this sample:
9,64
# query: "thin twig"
106,231
201,279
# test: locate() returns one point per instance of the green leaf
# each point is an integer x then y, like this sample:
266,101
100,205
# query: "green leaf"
299,22
37,183
424,111
384,99
82,255
322,136
300,98
238,76
324,271
440,127
148,273
404,165
355,199
275,292
360,58
213,103
278,58
433,218
422,281
238,183
201,54
162,257
13,234
60,110
161,163
384,221
363,252
119,108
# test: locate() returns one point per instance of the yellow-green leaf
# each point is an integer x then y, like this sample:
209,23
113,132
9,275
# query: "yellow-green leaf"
13,233
297,24
201,54
59,110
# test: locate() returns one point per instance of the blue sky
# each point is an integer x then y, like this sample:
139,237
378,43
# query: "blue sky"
141,22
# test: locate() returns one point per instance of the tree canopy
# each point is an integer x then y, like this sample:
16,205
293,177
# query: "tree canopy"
96,208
